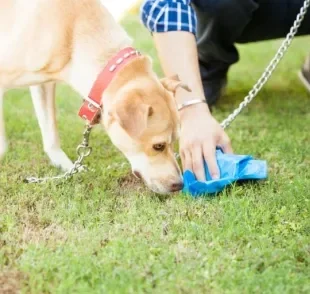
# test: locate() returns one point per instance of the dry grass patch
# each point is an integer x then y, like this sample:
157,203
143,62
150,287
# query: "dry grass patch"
11,281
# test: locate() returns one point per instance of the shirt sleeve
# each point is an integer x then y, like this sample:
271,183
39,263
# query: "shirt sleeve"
168,15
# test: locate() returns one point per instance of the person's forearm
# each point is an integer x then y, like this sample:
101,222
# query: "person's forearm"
177,52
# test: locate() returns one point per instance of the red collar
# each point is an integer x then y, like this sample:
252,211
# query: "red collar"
91,107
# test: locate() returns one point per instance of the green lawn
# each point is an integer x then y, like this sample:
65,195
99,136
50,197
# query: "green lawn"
103,232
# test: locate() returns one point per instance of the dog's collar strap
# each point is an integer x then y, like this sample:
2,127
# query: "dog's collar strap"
91,107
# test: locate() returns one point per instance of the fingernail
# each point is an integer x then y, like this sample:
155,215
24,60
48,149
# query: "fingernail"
215,177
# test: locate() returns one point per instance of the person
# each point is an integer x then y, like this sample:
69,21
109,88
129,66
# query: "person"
196,39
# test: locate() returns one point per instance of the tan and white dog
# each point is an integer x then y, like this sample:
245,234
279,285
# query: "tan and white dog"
44,41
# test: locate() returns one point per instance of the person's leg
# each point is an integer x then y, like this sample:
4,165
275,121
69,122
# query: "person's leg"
219,24
273,19
223,23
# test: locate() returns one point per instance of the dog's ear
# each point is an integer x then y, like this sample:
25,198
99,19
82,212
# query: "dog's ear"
132,115
173,83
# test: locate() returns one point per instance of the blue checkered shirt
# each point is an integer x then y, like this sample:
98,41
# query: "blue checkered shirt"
168,15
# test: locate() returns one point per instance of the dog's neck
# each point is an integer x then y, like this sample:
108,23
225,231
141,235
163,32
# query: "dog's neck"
81,73
90,55
92,105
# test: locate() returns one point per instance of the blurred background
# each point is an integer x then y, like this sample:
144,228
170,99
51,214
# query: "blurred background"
119,7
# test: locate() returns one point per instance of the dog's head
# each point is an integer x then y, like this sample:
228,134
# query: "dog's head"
141,119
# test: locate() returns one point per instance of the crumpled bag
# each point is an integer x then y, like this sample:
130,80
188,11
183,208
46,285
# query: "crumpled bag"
232,167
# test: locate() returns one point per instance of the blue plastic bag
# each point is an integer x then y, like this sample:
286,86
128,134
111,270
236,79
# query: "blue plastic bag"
232,168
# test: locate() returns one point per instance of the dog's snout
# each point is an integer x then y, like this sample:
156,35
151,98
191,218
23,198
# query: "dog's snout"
137,174
175,187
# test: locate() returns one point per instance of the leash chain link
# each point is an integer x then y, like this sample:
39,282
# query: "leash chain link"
84,150
271,67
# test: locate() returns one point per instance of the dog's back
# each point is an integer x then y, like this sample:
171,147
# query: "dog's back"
39,37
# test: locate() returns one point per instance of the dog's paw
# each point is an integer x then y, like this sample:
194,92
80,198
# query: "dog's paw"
59,159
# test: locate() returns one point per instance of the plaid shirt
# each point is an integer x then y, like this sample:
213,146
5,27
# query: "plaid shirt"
168,15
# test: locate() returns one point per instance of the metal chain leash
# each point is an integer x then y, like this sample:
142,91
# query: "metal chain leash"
271,67
84,150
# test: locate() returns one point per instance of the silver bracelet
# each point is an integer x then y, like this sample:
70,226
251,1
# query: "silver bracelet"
190,102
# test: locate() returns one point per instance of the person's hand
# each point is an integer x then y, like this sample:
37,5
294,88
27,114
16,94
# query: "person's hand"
199,137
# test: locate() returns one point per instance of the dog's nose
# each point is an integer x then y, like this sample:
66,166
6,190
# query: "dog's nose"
137,174
175,187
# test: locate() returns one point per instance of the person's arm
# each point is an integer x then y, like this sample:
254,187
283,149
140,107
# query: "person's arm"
173,26
177,52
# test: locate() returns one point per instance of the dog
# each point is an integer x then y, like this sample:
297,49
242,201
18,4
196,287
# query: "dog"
44,42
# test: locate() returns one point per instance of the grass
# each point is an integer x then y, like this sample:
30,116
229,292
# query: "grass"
102,232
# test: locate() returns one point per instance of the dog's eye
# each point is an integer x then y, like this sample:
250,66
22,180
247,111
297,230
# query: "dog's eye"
159,147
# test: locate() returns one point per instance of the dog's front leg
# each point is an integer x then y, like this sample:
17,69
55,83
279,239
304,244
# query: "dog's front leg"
3,144
43,97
